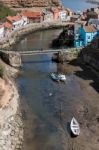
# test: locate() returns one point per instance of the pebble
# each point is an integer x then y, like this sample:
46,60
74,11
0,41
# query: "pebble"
50,94
11,137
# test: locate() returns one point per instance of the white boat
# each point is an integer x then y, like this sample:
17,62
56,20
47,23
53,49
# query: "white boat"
74,126
62,77
55,77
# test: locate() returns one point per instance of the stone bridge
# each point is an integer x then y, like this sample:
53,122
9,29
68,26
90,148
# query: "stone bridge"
41,51
14,57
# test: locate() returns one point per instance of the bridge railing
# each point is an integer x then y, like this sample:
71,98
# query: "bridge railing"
41,51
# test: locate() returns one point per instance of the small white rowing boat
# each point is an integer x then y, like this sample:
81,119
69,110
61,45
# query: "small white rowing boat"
62,77
74,126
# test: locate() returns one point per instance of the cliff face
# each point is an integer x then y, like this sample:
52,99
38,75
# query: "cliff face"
30,3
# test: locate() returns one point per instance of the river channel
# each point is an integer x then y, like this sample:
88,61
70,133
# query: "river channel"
47,106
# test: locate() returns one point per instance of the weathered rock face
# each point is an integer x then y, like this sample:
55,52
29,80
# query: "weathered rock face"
30,3
13,59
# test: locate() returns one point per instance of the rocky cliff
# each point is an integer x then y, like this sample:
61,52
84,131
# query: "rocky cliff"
11,125
30,3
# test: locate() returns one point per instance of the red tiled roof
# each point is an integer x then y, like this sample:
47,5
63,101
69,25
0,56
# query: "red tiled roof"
90,28
13,18
7,25
30,14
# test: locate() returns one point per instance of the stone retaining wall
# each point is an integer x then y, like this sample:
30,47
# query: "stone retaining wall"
63,56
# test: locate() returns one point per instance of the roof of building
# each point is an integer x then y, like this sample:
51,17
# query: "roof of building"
13,18
89,28
7,25
30,14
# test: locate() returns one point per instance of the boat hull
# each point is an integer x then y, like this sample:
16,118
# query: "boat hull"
58,77
74,126
54,77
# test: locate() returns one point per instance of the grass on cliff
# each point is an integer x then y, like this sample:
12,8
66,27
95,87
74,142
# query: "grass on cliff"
5,11
1,71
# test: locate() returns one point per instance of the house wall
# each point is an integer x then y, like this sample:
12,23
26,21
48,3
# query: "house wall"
87,37
56,15
2,32
35,19
48,17
17,24
90,36
83,35
25,20
62,15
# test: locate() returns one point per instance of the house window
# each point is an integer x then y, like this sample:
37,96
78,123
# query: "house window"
88,37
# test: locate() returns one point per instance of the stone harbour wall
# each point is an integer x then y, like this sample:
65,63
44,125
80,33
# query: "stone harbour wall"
29,28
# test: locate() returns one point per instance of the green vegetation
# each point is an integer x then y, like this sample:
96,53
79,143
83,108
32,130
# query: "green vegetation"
1,71
5,11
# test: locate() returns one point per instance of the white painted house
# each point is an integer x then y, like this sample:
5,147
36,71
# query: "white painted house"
2,31
16,21
62,15
25,20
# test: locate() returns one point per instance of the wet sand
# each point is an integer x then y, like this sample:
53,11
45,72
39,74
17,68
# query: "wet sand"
88,112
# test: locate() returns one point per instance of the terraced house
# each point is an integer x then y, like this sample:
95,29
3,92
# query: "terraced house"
16,21
85,35
88,33
33,17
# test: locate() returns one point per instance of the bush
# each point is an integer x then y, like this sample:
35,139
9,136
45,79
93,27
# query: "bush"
5,11
1,71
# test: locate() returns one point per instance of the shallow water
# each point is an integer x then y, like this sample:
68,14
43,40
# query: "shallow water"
77,4
47,106
50,105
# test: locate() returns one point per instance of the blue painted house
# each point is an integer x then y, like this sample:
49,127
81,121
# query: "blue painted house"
88,33
85,36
